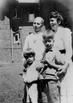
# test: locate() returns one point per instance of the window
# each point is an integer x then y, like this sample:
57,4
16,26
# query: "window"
16,37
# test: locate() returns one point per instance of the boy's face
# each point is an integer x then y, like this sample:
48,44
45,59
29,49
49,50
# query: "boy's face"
49,43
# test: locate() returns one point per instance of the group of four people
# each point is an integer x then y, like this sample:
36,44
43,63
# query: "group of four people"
46,57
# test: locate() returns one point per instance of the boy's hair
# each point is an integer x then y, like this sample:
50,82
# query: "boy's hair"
30,54
47,38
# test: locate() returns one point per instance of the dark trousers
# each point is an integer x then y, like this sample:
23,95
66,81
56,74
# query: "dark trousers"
49,92
53,92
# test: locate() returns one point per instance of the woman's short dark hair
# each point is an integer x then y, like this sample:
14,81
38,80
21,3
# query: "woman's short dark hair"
57,15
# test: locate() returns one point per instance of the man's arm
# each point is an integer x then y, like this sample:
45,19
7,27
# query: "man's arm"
26,44
25,47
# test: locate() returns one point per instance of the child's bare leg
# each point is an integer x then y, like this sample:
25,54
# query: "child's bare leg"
33,93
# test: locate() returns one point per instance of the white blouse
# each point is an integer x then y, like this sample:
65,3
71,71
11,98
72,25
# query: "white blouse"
63,40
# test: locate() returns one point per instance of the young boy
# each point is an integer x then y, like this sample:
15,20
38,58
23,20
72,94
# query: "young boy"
54,58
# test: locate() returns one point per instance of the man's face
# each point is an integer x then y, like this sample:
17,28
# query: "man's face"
53,23
37,24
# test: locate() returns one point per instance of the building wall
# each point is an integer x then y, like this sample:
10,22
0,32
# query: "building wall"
17,49
5,41
8,50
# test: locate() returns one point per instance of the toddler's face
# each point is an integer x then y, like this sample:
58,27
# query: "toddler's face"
49,42
31,58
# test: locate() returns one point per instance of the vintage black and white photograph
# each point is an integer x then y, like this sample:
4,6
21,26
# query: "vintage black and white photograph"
36,51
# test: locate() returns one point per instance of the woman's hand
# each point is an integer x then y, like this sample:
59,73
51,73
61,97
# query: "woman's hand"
61,73
62,70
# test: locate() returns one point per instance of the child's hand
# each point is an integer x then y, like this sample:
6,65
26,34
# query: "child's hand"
60,69
40,66
44,62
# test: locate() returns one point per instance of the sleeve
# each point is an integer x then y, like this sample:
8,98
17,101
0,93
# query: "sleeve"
68,44
25,46
60,58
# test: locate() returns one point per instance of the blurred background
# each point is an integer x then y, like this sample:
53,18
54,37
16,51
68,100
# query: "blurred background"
16,18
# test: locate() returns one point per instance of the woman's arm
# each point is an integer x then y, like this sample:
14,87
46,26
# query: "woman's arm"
68,44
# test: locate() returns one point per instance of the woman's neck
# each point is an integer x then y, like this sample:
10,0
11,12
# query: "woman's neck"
55,28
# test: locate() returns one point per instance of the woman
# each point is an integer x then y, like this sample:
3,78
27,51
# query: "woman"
63,42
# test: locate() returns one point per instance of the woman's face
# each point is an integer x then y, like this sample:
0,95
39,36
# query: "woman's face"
53,23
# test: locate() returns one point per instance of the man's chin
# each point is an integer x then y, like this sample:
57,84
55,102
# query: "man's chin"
37,30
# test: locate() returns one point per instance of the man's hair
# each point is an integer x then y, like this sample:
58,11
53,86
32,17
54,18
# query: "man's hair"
42,20
57,15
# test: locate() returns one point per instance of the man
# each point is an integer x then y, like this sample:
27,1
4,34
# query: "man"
34,43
